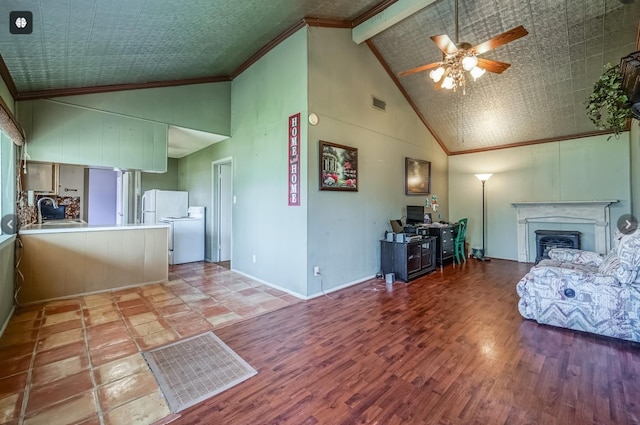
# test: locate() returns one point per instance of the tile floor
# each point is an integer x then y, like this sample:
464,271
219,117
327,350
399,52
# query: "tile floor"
78,361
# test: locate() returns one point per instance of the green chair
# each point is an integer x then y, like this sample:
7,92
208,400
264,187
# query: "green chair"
461,237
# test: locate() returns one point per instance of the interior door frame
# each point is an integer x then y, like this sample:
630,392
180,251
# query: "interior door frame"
216,208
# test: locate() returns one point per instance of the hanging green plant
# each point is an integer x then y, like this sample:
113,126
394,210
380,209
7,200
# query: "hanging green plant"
608,107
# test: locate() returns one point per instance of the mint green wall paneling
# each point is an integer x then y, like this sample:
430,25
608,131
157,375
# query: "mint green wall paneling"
79,137
133,137
132,104
345,227
582,169
194,175
160,146
598,169
264,97
7,272
181,108
5,94
204,107
164,181
108,152
46,125
634,146
262,220
24,115
76,135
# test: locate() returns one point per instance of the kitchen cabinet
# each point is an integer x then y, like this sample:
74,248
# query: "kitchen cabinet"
71,180
42,177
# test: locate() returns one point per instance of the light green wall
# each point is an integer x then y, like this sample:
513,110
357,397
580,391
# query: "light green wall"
591,168
262,99
204,107
6,96
73,135
7,159
6,280
164,181
345,227
634,144
125,129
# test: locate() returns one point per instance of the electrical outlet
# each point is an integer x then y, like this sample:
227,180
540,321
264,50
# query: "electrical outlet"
253,257
316,271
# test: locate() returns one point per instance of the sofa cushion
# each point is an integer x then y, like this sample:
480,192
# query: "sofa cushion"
575,276
575,256
612,266
628,251
574,266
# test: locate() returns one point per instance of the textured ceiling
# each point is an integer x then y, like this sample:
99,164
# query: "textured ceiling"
552,71
85,43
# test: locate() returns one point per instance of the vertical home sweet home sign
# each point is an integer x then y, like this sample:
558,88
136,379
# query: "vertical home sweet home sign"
294,160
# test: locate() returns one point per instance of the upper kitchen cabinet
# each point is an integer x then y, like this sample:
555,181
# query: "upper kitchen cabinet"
69,134
41,177
71,180
54,179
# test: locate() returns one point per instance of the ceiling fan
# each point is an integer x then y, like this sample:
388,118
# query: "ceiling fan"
459,57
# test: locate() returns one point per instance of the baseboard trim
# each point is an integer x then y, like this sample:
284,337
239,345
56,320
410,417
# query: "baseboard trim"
96,292
6,322
273,285
343,286
306,297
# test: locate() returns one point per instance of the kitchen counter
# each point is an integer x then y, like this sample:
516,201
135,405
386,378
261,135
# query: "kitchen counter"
75,226
74,259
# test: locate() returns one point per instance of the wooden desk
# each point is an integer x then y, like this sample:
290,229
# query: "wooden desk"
445,238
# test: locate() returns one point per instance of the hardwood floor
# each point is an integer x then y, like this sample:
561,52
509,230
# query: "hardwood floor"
450,348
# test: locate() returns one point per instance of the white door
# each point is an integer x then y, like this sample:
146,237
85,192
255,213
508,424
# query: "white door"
225,211
221,240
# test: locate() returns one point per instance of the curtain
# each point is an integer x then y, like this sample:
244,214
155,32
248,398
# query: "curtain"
9,125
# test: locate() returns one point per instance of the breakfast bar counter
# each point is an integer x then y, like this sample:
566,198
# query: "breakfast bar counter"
74,258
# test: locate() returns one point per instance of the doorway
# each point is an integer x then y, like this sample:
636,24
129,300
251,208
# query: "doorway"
222,199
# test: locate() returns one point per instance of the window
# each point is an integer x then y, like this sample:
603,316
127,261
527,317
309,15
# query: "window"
7,177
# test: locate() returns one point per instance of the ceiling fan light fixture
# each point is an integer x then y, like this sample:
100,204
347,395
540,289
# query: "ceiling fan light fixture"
436,74
469,62
477,72
448,83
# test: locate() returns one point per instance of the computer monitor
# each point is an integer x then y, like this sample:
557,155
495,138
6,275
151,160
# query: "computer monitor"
415,214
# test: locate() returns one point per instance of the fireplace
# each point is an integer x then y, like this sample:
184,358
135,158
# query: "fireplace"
549,239
594,214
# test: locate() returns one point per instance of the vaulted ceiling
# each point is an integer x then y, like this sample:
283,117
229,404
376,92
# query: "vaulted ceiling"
92,45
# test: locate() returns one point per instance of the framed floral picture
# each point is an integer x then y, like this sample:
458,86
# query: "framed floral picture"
338,167
417,176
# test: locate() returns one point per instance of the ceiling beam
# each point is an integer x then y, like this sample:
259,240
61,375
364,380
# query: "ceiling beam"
388,17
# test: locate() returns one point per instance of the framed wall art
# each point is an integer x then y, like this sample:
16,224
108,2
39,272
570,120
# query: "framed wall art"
338,167
417,176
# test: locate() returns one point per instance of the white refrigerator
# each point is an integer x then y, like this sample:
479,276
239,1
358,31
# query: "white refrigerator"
186,237
158,204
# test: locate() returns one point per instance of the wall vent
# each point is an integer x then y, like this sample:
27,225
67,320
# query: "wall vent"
379,103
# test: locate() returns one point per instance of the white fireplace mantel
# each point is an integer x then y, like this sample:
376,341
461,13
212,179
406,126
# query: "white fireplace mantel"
595,213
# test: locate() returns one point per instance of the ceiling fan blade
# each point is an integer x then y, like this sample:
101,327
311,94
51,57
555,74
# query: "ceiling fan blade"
490,65
419,69
445,44
501,40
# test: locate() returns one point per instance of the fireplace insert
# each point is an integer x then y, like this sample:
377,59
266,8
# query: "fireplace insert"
549,239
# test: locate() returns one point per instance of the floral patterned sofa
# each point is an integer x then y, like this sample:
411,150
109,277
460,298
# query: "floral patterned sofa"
585,291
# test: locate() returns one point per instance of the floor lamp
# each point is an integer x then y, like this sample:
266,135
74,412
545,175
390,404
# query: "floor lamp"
483,178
